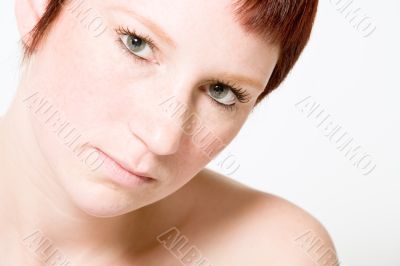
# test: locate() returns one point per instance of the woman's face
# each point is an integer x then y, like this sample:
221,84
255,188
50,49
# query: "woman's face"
130,99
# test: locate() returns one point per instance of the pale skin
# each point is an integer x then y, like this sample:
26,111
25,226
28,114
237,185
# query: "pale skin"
113,100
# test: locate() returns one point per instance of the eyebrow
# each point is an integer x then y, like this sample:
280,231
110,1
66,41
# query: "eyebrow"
152,26
242,79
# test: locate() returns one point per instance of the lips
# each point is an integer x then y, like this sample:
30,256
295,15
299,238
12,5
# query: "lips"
125,167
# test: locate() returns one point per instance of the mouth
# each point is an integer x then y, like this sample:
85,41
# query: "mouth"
121,174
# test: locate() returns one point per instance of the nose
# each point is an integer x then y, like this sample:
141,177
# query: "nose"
162,127
167,117
161,136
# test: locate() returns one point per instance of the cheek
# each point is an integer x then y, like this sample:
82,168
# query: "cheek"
92,80
205,141
80,80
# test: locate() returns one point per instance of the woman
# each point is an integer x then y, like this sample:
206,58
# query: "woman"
120,106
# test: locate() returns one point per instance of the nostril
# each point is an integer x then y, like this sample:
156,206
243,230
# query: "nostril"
162,137
166,139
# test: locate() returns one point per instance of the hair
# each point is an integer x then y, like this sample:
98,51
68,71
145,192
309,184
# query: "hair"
285,23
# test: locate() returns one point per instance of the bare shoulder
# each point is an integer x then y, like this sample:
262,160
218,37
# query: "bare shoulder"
266,229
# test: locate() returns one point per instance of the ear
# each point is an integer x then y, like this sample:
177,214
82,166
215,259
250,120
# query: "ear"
28,14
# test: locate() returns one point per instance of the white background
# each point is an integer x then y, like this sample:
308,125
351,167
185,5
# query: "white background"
281,151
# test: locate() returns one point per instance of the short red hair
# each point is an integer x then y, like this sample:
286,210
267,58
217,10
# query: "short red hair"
287,23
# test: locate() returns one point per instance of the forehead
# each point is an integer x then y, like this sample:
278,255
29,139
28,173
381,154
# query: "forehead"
206,30
191,14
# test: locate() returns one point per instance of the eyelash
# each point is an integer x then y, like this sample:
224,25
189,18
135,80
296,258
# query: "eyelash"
126,31
239,92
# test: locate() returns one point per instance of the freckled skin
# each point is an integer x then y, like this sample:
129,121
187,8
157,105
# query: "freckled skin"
113,102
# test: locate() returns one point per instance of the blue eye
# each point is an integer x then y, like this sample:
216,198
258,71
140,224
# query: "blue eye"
226,94
140,46
222,94
135,44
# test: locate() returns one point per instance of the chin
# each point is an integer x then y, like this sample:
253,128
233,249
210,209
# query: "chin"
104,200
